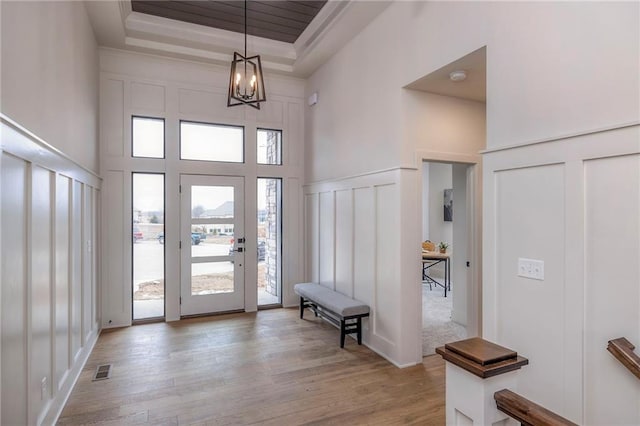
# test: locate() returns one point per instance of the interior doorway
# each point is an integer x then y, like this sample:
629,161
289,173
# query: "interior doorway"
447,235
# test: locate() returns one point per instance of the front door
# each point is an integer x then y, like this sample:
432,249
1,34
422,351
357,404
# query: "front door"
211,239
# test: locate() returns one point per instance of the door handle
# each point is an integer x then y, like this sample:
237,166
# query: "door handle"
239,249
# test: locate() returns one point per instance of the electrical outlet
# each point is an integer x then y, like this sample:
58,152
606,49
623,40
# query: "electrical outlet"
531,268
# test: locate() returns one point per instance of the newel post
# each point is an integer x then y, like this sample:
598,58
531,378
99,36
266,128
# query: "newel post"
476,369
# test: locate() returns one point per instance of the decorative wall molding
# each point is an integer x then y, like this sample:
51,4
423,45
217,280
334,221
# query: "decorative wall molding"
24,144
563,201
50,204
351,228
562,137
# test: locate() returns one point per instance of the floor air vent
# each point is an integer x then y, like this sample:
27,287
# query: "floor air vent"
103,372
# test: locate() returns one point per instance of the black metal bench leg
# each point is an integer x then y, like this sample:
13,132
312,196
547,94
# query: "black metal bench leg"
342,333
301,307
359,330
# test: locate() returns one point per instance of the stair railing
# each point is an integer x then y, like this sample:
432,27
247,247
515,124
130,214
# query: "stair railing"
526,411
622,350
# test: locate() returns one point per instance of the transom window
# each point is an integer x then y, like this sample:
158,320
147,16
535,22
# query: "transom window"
269,146
147,137
211,142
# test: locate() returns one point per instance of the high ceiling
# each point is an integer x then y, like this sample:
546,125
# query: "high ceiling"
210,31
275,20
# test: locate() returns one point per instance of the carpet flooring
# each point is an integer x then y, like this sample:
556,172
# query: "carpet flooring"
437,327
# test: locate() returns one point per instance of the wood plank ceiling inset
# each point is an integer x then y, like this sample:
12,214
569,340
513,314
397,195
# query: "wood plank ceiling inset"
276,20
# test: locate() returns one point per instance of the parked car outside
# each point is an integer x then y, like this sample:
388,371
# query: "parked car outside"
195,238
137,234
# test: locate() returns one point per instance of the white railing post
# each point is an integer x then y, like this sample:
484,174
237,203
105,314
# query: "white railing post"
475,370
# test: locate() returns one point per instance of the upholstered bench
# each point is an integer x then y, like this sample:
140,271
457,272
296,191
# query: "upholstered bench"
337,308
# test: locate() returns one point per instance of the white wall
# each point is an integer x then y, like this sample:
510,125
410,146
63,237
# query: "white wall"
49,217
50,74
562,78
578,75
148,85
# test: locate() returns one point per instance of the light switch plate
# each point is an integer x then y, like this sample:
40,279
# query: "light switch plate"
531,268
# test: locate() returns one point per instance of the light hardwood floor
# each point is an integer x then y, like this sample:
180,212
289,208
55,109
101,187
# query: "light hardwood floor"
268,367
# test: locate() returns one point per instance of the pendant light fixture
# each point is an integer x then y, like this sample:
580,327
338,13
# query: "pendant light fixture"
246,85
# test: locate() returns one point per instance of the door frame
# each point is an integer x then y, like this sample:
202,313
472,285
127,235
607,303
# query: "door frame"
474,241
238,298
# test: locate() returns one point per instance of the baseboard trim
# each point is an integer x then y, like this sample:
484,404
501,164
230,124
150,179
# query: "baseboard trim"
385,356
62,396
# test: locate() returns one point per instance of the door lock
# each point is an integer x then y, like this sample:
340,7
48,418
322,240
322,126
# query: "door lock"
239,249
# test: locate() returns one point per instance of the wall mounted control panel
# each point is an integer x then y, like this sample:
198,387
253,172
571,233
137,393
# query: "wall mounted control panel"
531,268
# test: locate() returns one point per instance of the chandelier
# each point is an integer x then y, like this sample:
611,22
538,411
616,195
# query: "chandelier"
246,85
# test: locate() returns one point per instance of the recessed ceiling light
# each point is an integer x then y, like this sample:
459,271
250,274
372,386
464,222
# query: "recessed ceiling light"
458,75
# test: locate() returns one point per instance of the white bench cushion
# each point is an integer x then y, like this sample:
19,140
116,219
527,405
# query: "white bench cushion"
332,300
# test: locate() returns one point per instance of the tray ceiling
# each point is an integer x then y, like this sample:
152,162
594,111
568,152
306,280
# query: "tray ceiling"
276,20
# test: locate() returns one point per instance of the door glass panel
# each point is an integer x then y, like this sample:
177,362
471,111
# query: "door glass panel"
211,278
269,241
211,142
211,202
211,239
148,245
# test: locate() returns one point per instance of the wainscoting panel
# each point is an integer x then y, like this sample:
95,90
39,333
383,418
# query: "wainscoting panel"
148,97
529,202
271,112
293,245
62,271
575,204
206,106
117,299
40,348
44,224
612,277
112,117
312,237
76,281
358,251
344,241
294,121
87,263
386,262
364,244
14,290
327,239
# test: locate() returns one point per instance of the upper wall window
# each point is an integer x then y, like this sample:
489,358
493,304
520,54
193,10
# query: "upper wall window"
269,146
147,137
211,142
